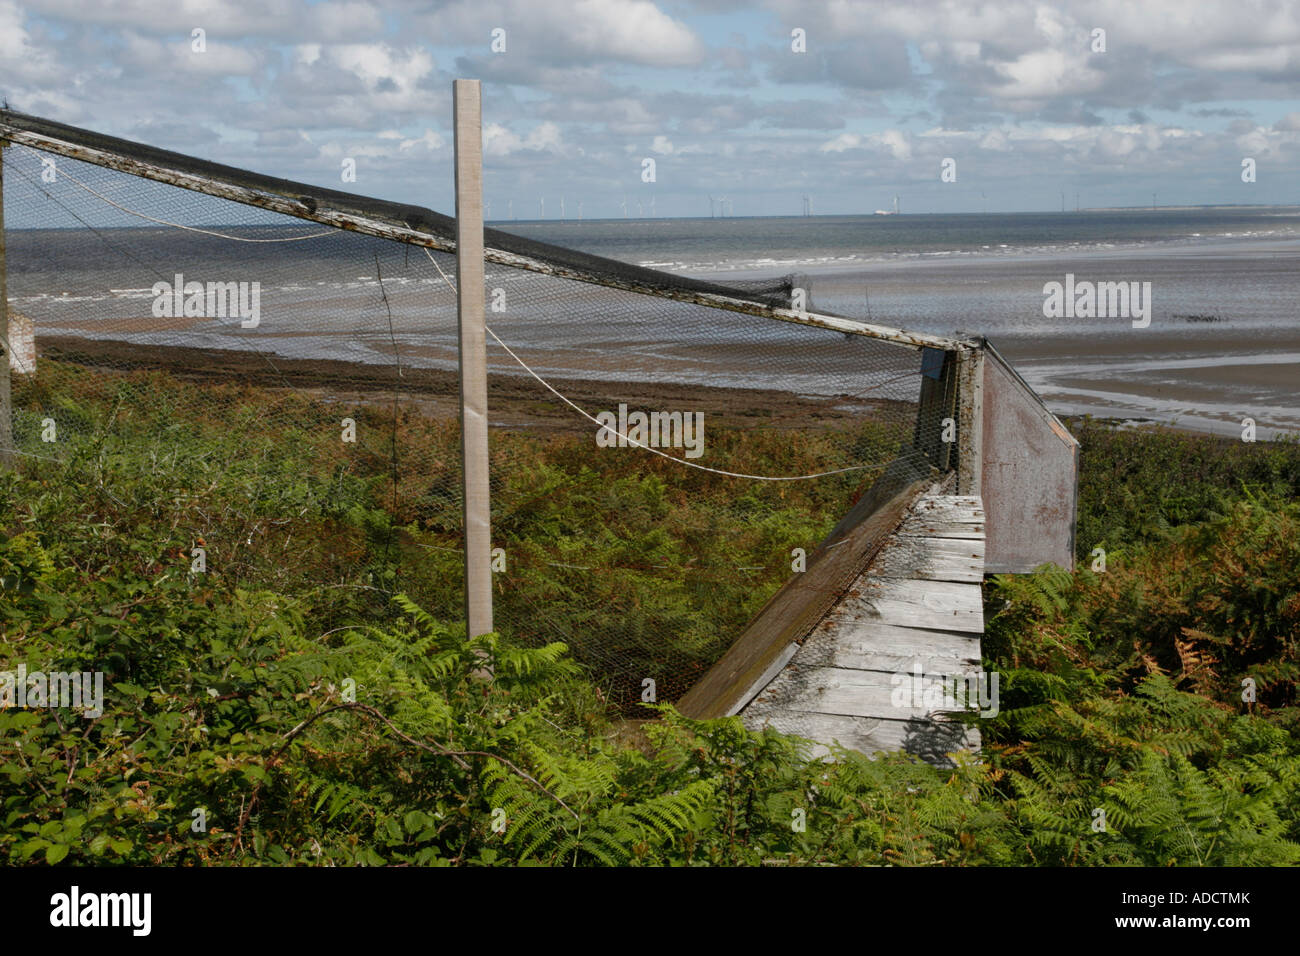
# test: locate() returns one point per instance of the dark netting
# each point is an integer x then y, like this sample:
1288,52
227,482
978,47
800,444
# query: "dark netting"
309,438
304,441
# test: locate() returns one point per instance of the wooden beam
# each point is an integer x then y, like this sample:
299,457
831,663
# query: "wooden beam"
899,641
865,646
355,222
6,399
931,739
946,516
970,422
932,559
470,293
937,605
858,693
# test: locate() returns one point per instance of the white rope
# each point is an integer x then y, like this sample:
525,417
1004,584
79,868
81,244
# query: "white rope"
177,225
633,441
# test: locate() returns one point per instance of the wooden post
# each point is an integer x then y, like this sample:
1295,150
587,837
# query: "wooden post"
6,401
938,388
473,356
970,422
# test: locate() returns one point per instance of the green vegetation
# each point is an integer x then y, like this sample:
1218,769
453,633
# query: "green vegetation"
311,693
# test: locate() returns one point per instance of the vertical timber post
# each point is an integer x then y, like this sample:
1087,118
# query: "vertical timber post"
938,391
467,118
6,400
970,422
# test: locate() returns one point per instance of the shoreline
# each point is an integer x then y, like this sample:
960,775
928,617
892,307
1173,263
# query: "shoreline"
518,401
514,400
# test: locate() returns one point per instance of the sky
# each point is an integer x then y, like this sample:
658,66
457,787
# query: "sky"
846,102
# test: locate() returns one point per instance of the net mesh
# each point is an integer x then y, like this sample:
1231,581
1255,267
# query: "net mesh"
281,399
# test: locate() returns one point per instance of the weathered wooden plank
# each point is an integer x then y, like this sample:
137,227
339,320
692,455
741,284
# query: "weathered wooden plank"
1030,475
937,605
472,339
887,648
947,516
932,740
854,657
950,500
931,559
970,422
900,648
873,637
903,695
803,600
6,405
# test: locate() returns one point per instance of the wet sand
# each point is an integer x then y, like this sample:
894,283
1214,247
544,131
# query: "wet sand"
513,400
1204,379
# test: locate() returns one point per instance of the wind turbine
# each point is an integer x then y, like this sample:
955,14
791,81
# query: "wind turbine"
639,213
624,207
652,207
710,207
579,210
487,209
561,207
541,204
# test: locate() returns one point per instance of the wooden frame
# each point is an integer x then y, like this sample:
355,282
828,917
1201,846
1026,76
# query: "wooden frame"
472,341
292,205
6,400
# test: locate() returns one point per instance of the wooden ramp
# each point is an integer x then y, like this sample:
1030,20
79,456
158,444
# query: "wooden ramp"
874,669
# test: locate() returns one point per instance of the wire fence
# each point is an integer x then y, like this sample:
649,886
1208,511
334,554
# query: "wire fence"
285,395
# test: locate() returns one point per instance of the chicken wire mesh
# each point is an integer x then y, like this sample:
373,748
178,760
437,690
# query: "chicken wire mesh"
659,468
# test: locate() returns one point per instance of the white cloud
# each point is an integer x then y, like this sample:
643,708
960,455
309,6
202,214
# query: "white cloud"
499,141
430,140
635,30
1045,74
375,63
895,141
842,142
19,56
574,31
219,58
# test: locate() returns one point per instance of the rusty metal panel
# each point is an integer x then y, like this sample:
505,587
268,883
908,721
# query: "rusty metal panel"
1030,475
